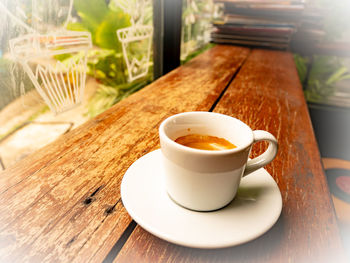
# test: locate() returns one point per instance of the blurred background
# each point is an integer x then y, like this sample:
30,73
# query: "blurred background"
62,62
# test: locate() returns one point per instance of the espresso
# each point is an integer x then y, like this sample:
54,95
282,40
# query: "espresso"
205,142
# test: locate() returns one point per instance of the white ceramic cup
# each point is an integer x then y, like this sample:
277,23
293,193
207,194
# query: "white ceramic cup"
204,180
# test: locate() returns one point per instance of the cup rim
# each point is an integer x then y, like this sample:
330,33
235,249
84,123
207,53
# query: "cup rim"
172,143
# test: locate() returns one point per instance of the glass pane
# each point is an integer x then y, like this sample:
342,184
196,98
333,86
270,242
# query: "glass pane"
63,62
327,81
197,18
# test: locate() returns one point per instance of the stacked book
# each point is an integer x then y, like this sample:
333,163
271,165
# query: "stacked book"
258,23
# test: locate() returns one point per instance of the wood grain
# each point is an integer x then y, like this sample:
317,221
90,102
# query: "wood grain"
63,202
267,95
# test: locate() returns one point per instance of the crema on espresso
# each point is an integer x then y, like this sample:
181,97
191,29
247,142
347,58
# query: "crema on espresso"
205,142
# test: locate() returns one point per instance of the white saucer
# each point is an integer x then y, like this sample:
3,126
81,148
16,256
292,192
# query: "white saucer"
253,212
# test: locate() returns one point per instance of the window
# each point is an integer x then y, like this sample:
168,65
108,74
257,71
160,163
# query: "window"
63,62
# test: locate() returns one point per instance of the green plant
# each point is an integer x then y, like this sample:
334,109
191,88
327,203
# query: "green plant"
107,96
324,74
105,61
301,65
325,71
107,66
141,11
103,22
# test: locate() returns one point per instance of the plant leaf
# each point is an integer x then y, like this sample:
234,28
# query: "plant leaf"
76,27
106,34
301,65
338,75
91,12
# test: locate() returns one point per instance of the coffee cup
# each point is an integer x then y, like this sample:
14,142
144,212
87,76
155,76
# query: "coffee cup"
206,180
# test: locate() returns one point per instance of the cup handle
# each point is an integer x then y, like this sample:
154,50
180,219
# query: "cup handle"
267,156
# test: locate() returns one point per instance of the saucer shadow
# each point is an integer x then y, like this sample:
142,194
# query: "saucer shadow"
246,195
262,247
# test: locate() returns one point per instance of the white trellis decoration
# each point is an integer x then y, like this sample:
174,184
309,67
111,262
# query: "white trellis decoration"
61,85
136,68
137,32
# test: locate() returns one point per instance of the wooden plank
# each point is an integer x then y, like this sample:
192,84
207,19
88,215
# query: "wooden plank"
267,95
63,203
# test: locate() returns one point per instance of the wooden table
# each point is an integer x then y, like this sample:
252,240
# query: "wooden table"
62,204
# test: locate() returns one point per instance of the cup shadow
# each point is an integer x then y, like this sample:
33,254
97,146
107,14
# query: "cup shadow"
247,195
